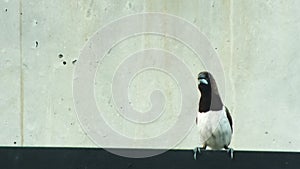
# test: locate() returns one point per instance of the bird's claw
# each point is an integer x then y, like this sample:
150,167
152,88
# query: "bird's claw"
230,150
196,150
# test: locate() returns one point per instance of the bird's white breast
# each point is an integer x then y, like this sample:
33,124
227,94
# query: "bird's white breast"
214,129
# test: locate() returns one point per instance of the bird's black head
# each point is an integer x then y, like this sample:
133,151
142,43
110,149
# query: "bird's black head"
203,78
210,99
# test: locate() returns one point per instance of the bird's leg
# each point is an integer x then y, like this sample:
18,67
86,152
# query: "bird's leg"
198,149
195,150
229,150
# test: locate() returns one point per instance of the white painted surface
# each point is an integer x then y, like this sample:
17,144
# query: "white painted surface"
257,43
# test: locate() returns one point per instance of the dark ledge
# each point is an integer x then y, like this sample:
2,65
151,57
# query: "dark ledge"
96,158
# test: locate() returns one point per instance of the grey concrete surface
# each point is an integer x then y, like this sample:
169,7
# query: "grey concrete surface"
40,43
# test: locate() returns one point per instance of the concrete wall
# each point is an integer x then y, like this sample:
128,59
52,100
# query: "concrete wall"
41,41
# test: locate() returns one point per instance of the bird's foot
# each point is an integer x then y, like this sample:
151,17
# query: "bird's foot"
197,150
230,150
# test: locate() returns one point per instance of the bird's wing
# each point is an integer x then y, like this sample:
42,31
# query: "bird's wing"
229,118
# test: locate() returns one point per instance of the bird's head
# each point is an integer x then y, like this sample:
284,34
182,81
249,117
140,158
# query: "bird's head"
210,99
203,78
206,82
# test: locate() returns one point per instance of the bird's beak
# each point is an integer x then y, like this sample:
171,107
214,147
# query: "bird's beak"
203,81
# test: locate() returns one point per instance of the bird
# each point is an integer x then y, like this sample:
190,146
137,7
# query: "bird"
214,122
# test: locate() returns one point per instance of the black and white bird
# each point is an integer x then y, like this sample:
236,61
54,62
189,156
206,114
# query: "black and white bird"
213,120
